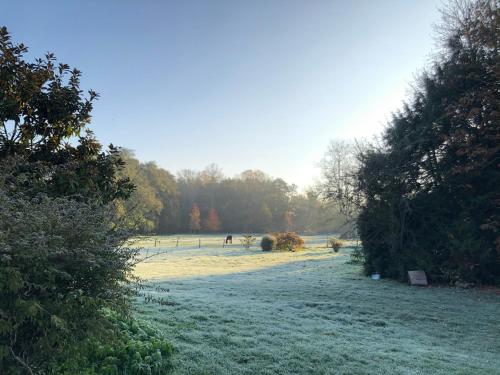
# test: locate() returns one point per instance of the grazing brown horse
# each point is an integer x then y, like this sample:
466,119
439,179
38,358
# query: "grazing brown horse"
229,239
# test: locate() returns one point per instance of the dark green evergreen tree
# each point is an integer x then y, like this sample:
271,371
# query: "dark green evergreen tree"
432,196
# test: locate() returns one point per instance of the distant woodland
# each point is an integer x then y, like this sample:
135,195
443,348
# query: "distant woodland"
207,201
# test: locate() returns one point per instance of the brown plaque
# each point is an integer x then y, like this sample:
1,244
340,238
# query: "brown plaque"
417,278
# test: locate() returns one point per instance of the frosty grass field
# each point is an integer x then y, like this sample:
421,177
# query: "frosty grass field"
239,311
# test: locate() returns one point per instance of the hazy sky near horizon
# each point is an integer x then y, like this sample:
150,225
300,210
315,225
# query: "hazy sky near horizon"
261,84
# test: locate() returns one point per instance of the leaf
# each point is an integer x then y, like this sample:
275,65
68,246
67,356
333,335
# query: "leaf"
58,322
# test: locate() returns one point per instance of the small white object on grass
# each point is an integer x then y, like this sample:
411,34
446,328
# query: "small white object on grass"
375,276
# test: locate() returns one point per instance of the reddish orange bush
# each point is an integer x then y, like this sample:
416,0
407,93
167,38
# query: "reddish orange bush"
288,241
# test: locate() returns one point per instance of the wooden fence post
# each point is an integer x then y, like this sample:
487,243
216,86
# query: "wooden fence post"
199,243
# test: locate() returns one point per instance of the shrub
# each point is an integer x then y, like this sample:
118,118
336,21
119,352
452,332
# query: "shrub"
335,244
63,266
61,263
357,256
288,241
268,242
248,240
135,348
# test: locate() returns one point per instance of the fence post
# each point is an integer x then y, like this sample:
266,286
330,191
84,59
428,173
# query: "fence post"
223,243
177,243
199,243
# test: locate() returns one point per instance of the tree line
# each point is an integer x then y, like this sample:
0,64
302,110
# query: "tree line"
208,201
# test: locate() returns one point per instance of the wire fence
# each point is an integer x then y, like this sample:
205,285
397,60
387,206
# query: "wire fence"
152,246
214,241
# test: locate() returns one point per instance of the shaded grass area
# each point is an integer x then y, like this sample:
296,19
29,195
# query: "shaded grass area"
312,313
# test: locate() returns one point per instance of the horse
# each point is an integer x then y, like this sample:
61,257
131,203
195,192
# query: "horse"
229,239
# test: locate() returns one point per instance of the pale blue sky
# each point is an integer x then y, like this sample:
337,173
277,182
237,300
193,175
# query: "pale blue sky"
260,84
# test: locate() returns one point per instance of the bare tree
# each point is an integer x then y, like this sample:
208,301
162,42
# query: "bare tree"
339,167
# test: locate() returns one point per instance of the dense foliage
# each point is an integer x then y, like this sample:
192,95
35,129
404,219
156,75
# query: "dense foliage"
207,201
288,241
432,190
124,347
153,205
41,109
268,242
252,203
63,263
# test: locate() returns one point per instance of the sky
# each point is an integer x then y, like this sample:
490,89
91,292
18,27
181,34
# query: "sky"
255,84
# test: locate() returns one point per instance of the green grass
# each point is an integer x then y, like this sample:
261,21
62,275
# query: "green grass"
248,312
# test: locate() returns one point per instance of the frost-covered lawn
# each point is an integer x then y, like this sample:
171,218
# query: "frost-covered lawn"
248,312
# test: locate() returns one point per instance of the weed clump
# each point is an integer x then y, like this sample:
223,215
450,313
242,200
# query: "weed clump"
335,244
248,240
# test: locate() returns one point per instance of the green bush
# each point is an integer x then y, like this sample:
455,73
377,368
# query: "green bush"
357,256
135,348
268,242
288,241
61,263
335,244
